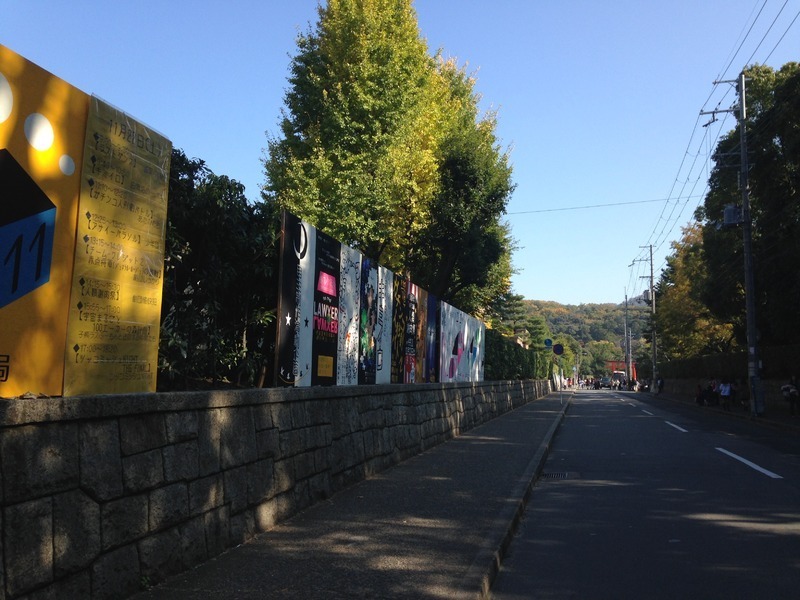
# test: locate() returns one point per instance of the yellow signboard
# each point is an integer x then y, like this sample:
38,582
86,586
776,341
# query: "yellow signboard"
115,304
83,197
42,128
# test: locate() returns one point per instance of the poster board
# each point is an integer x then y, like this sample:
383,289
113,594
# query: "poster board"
386,328
42,125
115,300
44,156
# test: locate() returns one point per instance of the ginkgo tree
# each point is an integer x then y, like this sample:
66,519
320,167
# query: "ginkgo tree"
382,146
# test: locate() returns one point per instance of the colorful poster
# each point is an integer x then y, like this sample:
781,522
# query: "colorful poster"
461,347
383,326
410,337
349,296
477,354
427,340
367,322
420,350
295,305
42,127
399,321
347,320
326,311
115,301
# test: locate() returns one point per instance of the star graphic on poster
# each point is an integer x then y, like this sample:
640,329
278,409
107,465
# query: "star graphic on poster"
288,320
306,323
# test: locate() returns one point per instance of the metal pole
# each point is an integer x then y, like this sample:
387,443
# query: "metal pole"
653,313
756,397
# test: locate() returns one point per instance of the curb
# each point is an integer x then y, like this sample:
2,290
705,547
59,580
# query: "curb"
486,566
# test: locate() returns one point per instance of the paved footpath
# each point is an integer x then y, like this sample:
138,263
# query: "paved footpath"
433,526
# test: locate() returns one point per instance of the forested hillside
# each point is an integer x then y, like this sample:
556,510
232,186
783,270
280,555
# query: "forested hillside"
592,322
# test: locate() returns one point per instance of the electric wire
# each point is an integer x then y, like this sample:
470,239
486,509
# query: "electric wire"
668,223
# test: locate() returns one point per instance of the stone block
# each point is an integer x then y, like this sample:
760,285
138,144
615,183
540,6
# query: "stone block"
322,459
101,461
320,487
293,442
237,437
76,532
304,465
193,542
140,433
283,475
319,412
160,555
29,535
300,417
206,494
208,441
235,482
217,527
181,426
74,586
39,460
169,506
262,416
116,574
124,520
243,527
266,515
282,416
260,485
268,443
320,436
143,471
181,461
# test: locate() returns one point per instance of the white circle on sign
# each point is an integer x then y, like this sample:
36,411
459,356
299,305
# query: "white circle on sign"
66,164
39,131
6,98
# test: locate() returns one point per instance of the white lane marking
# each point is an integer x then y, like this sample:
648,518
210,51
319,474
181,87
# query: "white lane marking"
750,464
677,427
647,412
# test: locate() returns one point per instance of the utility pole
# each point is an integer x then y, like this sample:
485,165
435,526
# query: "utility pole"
753,377
627,343
653,315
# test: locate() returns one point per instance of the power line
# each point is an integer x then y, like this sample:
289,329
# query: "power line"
667,220
546,210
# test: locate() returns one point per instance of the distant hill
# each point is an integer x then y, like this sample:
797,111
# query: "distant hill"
592,322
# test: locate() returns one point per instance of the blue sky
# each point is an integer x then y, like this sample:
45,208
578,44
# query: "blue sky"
598,101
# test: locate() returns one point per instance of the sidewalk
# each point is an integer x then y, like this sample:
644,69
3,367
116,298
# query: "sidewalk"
776,414
433,526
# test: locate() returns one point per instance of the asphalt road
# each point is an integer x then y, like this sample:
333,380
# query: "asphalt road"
642,498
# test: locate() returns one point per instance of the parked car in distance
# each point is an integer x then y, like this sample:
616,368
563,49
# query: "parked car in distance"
605,382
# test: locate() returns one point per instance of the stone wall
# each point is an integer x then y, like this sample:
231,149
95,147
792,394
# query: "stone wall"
102,496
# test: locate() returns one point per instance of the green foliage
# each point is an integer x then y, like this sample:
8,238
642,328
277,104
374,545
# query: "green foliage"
353,154
464,237
686,327
773,134
381,146
506,360
218,298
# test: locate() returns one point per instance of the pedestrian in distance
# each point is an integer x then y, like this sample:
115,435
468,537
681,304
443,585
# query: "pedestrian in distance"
725,394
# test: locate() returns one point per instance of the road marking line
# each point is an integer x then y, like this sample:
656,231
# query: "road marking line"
750,464
677,427
647,412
